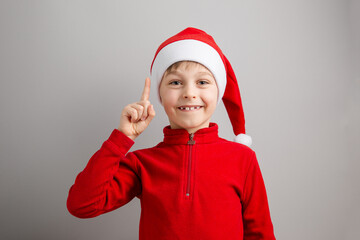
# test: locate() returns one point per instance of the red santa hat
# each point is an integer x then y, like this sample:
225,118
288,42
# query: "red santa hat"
196,45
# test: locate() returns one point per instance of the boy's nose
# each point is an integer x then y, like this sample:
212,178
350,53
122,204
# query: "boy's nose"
189,96
189,93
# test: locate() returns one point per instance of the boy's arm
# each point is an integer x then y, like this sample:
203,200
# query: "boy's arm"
256,213
109,180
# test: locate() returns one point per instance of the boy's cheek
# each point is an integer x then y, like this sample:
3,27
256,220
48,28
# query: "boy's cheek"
211,97
168,97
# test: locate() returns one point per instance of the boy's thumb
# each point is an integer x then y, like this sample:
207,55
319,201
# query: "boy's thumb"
151,113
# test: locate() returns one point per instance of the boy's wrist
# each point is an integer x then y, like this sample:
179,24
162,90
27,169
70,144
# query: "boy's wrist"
132,137
121,140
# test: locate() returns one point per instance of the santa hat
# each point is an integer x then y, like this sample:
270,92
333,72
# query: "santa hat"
196,45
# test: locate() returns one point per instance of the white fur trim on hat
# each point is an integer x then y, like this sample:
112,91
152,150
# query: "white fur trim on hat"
243,139
190,50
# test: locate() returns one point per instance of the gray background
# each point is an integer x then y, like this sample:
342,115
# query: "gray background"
67,68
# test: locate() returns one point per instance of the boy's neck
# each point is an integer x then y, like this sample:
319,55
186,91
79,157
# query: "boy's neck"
191,130
181,136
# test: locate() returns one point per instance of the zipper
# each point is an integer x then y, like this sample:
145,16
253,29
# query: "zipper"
191,142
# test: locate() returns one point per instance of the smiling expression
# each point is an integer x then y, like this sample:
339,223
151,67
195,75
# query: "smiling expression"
189,96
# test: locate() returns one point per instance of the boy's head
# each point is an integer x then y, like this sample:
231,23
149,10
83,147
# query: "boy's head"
188,93
192,52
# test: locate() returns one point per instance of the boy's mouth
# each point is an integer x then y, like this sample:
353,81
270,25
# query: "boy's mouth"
189,108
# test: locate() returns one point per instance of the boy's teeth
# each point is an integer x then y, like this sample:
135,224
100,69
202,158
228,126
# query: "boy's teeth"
189,108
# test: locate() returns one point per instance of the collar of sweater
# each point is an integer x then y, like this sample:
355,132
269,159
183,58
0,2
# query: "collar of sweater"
181,136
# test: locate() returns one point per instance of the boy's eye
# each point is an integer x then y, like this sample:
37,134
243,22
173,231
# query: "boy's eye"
177,82
203,82
174,82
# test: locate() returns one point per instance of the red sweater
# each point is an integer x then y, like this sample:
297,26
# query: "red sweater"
200,188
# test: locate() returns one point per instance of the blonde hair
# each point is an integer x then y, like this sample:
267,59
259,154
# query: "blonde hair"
176,65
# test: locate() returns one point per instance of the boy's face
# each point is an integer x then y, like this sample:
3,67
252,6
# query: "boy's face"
189,96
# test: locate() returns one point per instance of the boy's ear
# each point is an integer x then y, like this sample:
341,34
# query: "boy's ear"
159,93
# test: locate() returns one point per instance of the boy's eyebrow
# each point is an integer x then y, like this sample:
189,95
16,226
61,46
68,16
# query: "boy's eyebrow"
174,72
204,73
179,73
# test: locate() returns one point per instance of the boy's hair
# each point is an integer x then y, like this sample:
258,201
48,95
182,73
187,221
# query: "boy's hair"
176,65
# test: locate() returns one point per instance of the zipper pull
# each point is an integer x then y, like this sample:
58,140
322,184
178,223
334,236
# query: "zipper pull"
191,141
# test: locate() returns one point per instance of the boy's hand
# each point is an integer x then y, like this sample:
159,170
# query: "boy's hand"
135,117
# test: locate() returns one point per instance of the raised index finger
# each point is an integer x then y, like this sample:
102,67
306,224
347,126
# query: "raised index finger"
146,92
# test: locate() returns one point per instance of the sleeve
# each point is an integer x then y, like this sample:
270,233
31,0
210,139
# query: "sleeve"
256,213
109,180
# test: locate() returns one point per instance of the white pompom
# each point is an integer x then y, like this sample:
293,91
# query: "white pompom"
243,139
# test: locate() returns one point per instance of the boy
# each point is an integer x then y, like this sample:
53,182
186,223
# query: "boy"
194,184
